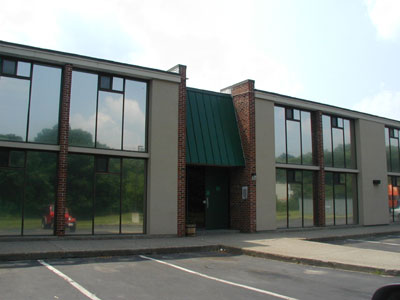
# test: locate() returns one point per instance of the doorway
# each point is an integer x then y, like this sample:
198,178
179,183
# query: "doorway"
208,197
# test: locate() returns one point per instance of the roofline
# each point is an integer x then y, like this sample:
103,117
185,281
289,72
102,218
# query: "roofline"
313,106
82,61
209,92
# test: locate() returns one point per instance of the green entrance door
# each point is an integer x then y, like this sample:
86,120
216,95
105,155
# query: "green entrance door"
217,198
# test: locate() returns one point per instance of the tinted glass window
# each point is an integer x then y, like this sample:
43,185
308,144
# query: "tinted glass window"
293,142
14,101
118,84
9,67
45,101
280,135
11,197
40,192
133,193
109,120
83,109
135,115
24,69
105,82
306,138
107,203
80,192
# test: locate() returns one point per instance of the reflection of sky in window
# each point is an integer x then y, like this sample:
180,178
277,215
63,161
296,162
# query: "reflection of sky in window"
14,98
135,115
306,137
109,120
45,99
293,142
83,102
280,146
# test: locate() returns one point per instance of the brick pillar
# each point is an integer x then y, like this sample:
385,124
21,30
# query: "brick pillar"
319,177
63,154
243,212
182,153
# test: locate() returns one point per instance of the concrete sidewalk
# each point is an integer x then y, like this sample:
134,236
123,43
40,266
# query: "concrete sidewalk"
303,246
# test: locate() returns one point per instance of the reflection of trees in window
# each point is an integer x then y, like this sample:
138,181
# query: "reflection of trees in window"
102,194
111,109
338,146
340,198
293,139
30,86
30,185
294,198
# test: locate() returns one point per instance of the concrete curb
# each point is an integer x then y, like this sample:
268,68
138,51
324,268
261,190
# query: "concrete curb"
311,262
102,253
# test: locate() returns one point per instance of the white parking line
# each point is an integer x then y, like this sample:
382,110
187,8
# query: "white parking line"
70,281
219,280
374,242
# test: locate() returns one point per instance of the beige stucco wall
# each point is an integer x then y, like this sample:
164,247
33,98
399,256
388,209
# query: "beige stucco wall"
371,162
163,161
265,165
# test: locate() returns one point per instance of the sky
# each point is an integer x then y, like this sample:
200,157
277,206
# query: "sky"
339,52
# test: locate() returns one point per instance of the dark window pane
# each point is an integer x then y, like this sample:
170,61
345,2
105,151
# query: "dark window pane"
394,153
327,140
45,101
17,159
40,193
118,84
133,193
107,203
80,192
11,197
4,157
109,120
24,69
83,109
105,82
293,142
289,113
9,67
101,164
306,138
281,198
14,99
114,165
280,135
135,115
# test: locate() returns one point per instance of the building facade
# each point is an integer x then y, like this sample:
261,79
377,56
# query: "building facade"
89,146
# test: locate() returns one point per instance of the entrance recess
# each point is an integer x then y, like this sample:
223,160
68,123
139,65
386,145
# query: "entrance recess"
208,197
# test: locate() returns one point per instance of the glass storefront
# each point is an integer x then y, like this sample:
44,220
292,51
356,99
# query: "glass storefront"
27,192
294,198
106,195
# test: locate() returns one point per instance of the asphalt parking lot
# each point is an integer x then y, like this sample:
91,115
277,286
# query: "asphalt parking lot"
390,243
208,275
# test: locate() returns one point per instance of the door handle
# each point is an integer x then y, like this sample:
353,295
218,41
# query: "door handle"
206,202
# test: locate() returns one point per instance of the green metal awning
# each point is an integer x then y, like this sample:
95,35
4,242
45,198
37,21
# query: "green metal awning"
212,134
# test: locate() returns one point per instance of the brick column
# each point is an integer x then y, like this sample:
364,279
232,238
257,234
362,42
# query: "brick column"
243,212
63,154
182,153
319,177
